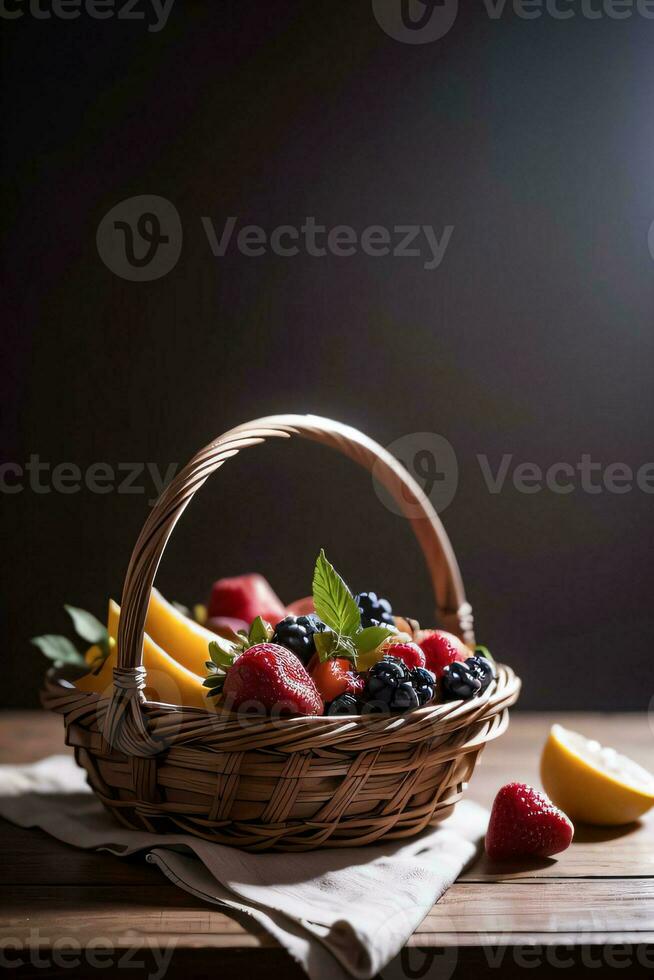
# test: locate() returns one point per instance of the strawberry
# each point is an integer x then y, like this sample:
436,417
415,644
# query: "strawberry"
410,653
525,822
334,677
440,649
301,607
226,626
270,675
245,597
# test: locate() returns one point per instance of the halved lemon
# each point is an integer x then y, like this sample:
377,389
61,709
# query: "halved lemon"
593,784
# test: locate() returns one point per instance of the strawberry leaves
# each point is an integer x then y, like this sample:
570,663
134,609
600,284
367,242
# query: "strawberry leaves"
59,649
63,652
223,653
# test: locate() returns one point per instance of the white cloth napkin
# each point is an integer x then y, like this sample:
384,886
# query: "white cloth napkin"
340,912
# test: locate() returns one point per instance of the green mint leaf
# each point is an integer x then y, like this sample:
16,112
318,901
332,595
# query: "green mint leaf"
59,649
485,652
370,638
334,645
260,632
332,599
87,626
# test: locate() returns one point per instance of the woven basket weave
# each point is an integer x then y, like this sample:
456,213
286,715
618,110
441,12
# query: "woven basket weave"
270,783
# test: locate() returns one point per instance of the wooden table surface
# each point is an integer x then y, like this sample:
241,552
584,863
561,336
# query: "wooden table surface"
70,913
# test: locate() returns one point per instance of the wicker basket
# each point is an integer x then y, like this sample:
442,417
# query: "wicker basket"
284,784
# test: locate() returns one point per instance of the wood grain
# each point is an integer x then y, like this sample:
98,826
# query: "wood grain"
600,893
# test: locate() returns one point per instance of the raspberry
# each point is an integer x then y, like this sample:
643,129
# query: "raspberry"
409,653
441,648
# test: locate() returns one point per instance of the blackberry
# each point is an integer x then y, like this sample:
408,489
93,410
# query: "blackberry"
384,678
374,610
482,669
296,634
424,684
405,697
345,704
391,686
459,683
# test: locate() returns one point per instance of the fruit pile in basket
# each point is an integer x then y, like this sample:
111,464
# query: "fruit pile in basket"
333,653
337,654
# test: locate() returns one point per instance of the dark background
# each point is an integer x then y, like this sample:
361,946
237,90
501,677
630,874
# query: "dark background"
535,139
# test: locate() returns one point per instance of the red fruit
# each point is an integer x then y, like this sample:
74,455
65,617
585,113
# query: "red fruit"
301,607
410,653
245,597
226,625
440,649
523,822
335,677
270,675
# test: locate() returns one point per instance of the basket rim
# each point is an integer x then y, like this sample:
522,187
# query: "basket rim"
504,689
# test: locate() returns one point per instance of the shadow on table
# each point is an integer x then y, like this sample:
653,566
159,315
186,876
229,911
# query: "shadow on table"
586,833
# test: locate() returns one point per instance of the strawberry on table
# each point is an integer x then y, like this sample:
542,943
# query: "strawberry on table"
524,822
270,675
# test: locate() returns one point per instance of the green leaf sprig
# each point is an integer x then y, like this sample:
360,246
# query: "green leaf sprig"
336,606
63,652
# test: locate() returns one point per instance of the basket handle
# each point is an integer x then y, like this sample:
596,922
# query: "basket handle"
453,611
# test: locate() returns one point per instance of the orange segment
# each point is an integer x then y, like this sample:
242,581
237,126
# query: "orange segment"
182,638
167,680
